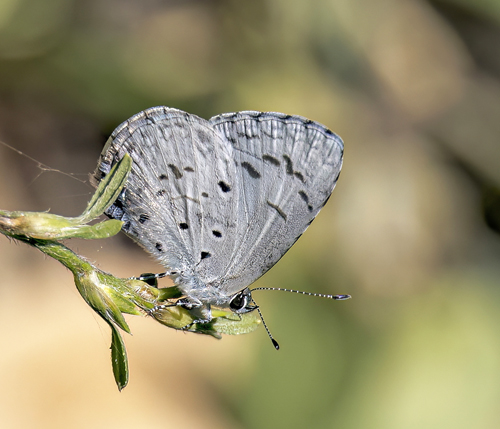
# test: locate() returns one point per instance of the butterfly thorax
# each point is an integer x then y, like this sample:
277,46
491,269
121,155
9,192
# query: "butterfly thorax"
199,293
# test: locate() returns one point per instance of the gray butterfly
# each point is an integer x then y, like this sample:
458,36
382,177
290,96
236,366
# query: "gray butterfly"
219,202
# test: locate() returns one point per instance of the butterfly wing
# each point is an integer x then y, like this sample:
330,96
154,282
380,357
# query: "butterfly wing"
224,199
285,170
180,172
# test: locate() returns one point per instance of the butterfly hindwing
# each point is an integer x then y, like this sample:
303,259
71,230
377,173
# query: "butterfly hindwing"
286,169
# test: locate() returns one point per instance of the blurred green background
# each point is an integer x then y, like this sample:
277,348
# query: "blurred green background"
411,232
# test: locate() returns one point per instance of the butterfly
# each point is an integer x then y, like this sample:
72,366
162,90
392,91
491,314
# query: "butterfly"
219,202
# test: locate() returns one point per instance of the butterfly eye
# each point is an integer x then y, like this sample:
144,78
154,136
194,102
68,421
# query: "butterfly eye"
240,301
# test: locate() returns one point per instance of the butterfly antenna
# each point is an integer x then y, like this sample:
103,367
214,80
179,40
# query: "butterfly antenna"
321,295
275,343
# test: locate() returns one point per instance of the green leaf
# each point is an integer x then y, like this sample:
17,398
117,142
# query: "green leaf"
119,359
37,225
95,289
235,324
104,229
224,322
108,190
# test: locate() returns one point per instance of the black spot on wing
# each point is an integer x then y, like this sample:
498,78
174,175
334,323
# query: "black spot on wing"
189,169
205,255
183,225
305,197
299,176
254,174
163,177
289,165
161,192
204,194
175,170
217,233
278,209
224,186
233,140
118,204
271,159
119,201
159,247
143,217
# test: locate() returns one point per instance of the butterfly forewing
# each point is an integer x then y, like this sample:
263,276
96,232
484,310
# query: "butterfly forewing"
173,192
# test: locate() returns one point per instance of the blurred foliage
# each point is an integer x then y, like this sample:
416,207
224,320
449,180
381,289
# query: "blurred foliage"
413,88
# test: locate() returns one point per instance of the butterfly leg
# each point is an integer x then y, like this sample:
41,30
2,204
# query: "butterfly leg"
159,308
203,313
195,322
152,278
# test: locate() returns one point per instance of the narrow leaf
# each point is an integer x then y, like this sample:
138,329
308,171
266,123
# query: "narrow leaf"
119,359
108,190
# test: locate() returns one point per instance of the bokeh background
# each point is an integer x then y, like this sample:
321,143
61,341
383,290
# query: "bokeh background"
412,86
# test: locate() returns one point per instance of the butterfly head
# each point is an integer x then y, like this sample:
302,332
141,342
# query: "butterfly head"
242,302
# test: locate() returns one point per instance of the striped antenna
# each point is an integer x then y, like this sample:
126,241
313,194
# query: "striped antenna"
275,343
320,295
